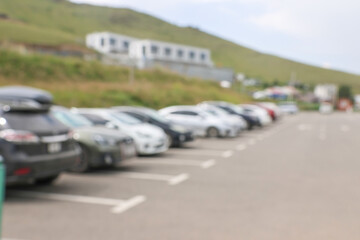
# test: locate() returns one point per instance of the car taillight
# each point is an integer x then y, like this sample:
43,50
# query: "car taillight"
22,171
17,136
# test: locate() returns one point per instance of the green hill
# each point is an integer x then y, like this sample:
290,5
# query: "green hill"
78,83
57,22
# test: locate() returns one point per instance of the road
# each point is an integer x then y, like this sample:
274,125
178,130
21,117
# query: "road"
297,179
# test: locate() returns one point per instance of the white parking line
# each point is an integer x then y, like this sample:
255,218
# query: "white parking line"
178,179
227,154
196,152
177,162
132,202
241,147
209,163
170,179
118,205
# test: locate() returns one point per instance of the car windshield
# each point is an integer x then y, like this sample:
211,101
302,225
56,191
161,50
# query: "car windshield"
71,119
237,109
125,118
155,115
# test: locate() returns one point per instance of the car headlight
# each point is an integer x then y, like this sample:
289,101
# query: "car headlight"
143,135
104,141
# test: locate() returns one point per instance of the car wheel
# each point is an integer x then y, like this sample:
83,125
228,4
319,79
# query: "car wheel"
82,163
212,132
46,180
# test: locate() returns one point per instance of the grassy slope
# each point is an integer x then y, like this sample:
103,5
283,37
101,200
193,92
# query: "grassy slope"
67,22
91,84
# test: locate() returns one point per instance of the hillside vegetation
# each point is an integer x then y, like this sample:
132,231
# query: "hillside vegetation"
90,84
59,22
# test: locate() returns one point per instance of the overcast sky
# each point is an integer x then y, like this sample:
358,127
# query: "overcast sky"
319,32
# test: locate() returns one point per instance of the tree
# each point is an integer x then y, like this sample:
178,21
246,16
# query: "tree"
345,92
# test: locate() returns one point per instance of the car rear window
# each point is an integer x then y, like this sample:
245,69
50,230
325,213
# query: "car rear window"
35,122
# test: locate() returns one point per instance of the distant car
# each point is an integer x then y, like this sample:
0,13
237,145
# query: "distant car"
272,108
148,138
238,124
270,111
233,109
34,145
100,146
176,134
193,117
288,107
326,108
262,114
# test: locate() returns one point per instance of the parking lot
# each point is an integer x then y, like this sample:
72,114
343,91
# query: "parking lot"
297,177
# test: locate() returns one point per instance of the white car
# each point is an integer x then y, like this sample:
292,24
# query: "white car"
288,107
261,113
200,122
148,139
238,124
273,107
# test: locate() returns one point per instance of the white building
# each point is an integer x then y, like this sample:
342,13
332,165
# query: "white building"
325,92
106,42
111,43
145,53
169,52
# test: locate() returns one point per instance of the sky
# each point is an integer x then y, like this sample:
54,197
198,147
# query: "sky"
318,32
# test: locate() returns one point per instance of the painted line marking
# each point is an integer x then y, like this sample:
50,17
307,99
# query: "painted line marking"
227,154
176,162
118,205
179,179
196,150
209,163
170,179
132,202
201,154
251,141
241,147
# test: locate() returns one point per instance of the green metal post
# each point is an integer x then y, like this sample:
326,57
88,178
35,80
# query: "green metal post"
2,190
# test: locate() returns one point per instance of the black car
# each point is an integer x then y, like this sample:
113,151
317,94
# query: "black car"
251,121
177,135
33,144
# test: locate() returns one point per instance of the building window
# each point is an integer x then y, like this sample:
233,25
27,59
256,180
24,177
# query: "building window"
112,41
102,42
203,57
180,53
154,49
144,51
192,55
126,44
167,51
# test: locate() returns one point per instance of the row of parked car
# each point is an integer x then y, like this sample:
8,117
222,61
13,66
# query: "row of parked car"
39,140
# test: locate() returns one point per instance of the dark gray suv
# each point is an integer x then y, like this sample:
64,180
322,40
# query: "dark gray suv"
33,144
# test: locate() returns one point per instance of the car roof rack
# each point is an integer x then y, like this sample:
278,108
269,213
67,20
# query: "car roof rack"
21,98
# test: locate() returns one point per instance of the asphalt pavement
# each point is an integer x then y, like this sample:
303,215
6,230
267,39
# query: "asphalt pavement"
296,179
